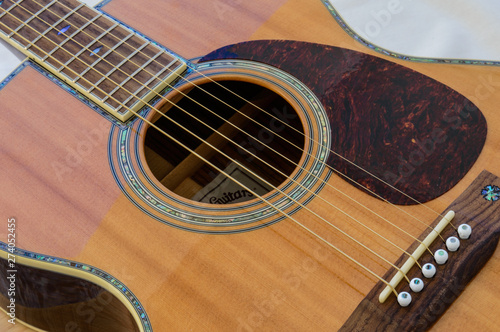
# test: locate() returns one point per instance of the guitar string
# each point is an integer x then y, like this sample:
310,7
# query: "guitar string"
225,155
341,211
278,135
417,263
291,143
281,155
250,190
277,170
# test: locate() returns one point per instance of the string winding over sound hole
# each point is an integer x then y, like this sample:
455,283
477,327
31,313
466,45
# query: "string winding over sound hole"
257,140
138,160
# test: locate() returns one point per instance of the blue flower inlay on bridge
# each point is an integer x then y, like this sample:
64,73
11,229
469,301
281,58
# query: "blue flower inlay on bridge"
491,193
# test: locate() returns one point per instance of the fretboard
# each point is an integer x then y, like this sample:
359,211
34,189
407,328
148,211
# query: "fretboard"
119,70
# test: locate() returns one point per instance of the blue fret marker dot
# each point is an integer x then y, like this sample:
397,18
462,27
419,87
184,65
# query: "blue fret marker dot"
63,30
96,50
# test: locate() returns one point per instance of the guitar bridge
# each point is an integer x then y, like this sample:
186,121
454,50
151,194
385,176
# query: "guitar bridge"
450,279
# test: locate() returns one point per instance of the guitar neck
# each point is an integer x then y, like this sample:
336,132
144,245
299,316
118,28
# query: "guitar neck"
113,66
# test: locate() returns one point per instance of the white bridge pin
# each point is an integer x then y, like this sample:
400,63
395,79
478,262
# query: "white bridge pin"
428,270
452,243
441,256
404,299
416,285
464,231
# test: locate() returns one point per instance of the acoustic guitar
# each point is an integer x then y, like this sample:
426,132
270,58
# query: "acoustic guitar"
240,166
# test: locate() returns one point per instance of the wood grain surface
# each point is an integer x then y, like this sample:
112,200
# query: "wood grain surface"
451,278
279,278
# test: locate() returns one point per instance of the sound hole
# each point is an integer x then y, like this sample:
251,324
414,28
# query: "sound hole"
257,140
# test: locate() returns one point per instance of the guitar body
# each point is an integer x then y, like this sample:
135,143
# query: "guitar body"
60,174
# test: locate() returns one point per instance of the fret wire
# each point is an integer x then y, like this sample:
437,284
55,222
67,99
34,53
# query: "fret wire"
49,29
86,48
157,76
70,37
32,17
129,77
14,31
88,45
113,48
111,71
7,11
126,101
107,53
145,85
41,10
77,74
121,63
153,77
53,27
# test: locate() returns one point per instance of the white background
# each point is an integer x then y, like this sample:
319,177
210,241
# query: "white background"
451,29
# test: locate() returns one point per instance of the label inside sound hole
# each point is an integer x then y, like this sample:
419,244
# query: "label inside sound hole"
224,190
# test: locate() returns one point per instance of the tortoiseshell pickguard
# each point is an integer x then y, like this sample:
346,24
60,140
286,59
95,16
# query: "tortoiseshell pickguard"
403,127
